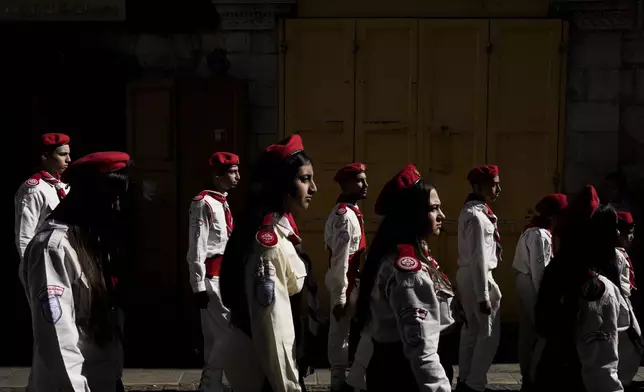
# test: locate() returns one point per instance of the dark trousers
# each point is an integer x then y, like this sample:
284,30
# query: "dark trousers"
388,359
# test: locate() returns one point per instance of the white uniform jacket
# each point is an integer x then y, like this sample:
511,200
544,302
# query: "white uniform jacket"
477,247
406,306
33,202
343,238
533,254
65,359
601,318
208,235
273,273
624,270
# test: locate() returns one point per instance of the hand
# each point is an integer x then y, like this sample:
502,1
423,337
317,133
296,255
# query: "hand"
201,298
485,307
338,312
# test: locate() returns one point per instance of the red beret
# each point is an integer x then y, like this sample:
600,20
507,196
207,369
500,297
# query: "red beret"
54,139
223,159
482,173
552,204
350,171
98,163
406,178
585,204
287,147
624,218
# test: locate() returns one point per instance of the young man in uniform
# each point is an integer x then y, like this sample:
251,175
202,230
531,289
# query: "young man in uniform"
211,224
40,194
479,252
346,242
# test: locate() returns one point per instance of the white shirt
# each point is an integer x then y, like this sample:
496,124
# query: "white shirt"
33,202
65,358
476,246
533,254
208,236
342,235
624,270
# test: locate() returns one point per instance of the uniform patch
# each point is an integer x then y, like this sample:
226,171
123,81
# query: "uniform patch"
50,303
595,336
264,284
32,182
266,237
410,319
199,197
408,264
341,211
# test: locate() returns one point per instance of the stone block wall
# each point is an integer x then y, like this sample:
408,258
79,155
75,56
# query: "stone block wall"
604,104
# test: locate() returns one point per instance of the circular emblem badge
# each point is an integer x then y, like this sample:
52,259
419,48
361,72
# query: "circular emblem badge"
32,182
341,211
266,237
408,264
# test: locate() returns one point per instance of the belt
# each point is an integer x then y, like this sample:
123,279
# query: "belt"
213,266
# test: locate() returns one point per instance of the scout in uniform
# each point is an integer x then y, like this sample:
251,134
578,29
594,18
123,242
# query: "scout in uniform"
261,270
533,253
345,242
211,223
580,309
631,347
404,297
40,194
479,253
69,284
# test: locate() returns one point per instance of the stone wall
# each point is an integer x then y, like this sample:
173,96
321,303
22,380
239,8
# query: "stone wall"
605,98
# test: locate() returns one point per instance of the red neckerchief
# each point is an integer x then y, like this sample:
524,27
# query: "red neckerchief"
60,190
490,215
295,236
432,260
631,271
229,216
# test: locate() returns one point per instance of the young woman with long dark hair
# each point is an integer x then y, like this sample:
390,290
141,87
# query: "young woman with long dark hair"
404,298
69,281
261,270
580,308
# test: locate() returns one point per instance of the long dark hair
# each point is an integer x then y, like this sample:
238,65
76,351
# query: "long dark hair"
272,181
406,223
90,211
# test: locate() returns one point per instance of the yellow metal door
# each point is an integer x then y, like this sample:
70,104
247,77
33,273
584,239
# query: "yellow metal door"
523,119
452,113
386,99
319,96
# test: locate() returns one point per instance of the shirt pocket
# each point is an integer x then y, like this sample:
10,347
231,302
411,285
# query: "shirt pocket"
489,234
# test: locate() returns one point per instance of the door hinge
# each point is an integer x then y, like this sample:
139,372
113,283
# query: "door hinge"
556,180
488,48
563,47
283,47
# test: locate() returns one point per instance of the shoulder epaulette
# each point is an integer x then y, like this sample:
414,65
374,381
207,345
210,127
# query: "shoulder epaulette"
266,235
406,260
342,209
593,288
200,196
33,180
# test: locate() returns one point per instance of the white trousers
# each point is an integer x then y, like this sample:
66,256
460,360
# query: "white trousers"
527,332
216,331
480,336
338,349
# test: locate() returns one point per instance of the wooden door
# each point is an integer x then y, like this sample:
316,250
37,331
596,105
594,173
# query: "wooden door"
153,296
452,113
523,126
318,99
386,80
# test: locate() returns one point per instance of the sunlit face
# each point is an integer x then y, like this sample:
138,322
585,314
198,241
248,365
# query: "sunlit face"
436,215
489,190
305,188
58,160
229,179
626,237
357,187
